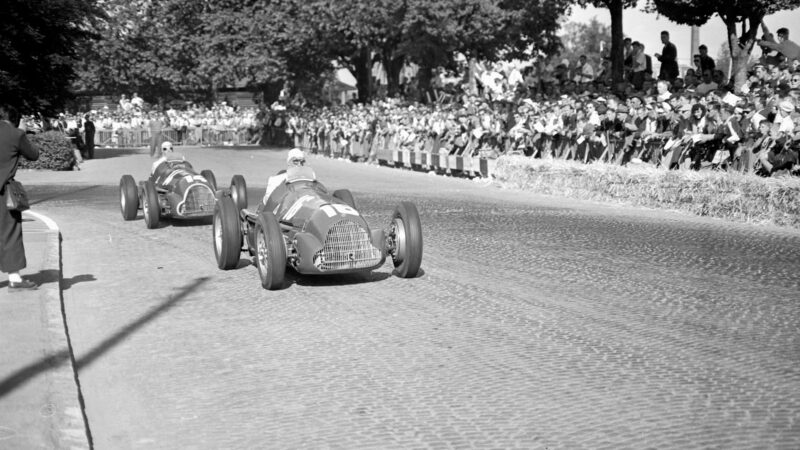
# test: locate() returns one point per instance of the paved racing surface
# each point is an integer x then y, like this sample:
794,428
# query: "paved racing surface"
538,322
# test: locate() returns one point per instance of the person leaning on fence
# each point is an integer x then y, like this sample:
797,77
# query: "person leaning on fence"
13,145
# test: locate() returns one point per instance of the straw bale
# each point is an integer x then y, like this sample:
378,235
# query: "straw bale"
732,196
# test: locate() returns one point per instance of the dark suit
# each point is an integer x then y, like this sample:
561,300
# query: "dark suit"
13,144
88,138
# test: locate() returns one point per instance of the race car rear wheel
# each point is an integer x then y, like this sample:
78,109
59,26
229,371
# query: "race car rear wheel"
270,251
345,196
227,234
128,197
150,206
405,239
209,176
239,191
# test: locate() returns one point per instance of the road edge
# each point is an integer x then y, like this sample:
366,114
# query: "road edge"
69,425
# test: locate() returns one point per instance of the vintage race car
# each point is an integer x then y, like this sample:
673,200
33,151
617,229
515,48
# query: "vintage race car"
175,190
304,227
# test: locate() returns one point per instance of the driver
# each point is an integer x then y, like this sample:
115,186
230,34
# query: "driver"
296,169
167,154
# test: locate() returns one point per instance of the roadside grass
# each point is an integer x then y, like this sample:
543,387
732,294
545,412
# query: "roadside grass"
731,196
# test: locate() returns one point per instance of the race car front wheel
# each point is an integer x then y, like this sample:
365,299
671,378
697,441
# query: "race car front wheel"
227,234
239,191
405,240
270,251
128,197
150,206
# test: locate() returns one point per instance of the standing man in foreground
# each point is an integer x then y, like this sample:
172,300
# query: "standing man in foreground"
669,59
13,144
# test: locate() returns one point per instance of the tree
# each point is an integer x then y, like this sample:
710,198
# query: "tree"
615,7
585,39
39,48
742,20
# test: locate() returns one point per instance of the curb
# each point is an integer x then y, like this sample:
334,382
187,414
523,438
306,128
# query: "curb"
68,426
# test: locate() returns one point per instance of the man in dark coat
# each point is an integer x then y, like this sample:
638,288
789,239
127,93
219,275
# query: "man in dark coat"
88,136
669,59
13,144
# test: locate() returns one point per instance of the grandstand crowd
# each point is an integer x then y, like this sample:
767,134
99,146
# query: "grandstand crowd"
550,107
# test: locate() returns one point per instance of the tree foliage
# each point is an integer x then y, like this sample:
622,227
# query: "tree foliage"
742,19
39,47
590,39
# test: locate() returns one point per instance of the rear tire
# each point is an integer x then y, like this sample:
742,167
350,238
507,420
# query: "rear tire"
239,192
346,196
209,176
226,234
406,232
150,205
270,251
128,197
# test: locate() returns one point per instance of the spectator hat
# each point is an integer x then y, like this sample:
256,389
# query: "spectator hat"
787,106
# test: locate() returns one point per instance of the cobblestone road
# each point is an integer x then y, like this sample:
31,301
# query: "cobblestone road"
538,323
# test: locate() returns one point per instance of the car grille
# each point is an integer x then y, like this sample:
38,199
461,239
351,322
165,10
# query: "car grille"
347,246
199,200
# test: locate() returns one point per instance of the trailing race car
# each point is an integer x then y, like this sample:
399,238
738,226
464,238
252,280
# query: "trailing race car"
306,228
175,190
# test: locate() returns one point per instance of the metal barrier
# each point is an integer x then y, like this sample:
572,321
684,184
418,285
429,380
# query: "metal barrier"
140,137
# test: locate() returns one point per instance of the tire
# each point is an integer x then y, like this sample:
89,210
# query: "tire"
270,251
405,231
239,192
128,197
345,196
209,176
226,234
150,205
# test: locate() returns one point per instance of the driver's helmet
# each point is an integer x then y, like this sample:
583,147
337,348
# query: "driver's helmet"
295,157
166,146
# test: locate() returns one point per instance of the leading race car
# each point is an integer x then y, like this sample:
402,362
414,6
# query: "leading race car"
175,190
314,232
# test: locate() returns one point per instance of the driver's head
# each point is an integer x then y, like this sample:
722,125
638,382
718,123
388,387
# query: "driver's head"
166,147
296,157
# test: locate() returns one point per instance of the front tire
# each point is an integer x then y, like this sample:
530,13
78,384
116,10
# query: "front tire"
227,234
270,251
346,196
239,191
128,197
405,231
209,176
150,205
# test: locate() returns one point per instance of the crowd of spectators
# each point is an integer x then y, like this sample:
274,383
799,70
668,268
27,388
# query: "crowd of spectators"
554,108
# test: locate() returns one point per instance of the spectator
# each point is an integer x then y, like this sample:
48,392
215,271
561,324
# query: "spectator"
787,48
136,101
706,62
638,65
155,125
707,85
668,58
13,144
88,133
584,73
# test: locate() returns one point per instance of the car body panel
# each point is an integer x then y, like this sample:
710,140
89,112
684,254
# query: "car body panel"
182,192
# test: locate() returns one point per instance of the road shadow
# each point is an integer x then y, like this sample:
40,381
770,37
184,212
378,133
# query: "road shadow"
190,222
419,274
25,374
108,153
41,277
67,283
63,194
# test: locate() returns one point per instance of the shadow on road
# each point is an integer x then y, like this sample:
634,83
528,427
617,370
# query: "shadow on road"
106,153
53,360
63,194
293,277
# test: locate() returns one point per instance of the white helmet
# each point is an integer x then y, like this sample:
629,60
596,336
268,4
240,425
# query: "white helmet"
295,154
166,146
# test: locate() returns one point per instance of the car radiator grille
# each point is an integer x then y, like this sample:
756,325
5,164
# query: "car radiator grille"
348,246
199,200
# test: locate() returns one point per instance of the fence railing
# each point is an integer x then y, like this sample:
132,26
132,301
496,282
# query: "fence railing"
141,137
431,153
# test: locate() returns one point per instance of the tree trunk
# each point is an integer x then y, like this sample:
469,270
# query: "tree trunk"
362,73
740,56
393,67
617,57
